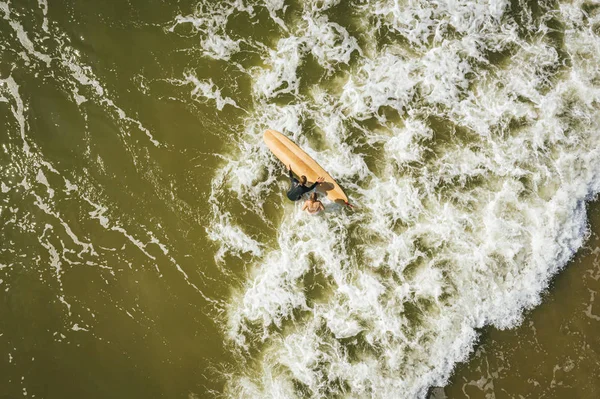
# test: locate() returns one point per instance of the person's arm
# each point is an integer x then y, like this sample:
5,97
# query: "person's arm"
319,181
305,205
291,174
321,206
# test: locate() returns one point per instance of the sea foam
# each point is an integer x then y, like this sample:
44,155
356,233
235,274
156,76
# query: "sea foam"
466,133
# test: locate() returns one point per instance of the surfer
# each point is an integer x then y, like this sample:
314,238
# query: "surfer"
313,205
298,187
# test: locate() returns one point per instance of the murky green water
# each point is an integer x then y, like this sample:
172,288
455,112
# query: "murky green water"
122,259
91,305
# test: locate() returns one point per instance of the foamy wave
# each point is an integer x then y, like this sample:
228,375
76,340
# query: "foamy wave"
386,81
470,142
284,62
207,90
210,20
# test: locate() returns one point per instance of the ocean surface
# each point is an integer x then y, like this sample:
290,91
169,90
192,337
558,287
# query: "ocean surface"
147,249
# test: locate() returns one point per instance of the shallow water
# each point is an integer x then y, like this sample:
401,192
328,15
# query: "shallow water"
148,249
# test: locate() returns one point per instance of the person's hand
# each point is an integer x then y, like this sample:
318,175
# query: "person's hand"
289,167
320,180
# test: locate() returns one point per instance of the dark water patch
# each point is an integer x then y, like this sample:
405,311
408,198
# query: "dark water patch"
499,58
249,56
447,137
412,268
310,73
446,131
317,284
358,348
372,151
10,57
590,8
412,315
344,14
390,115
274,208
314,135
334,80
372,155
570,115
368,124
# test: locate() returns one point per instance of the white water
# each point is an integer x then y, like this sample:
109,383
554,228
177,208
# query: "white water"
467,203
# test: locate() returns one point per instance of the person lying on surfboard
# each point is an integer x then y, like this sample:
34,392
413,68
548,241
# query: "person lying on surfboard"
298,187
313,205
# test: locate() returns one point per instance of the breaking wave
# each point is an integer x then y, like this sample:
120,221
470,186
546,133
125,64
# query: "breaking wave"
467,135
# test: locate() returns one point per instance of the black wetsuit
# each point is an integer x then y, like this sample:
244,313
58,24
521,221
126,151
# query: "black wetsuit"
296,189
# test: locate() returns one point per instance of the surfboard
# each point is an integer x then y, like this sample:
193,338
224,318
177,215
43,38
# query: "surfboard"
302,164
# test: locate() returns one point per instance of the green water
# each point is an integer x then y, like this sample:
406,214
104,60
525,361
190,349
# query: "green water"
150,332
108,279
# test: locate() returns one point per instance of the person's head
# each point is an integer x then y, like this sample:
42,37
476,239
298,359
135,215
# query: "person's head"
302,179
313,197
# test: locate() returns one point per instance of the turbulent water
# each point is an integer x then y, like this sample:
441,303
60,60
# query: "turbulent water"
465,133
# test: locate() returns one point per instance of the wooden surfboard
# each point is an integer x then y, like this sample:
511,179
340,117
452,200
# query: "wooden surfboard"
302,164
